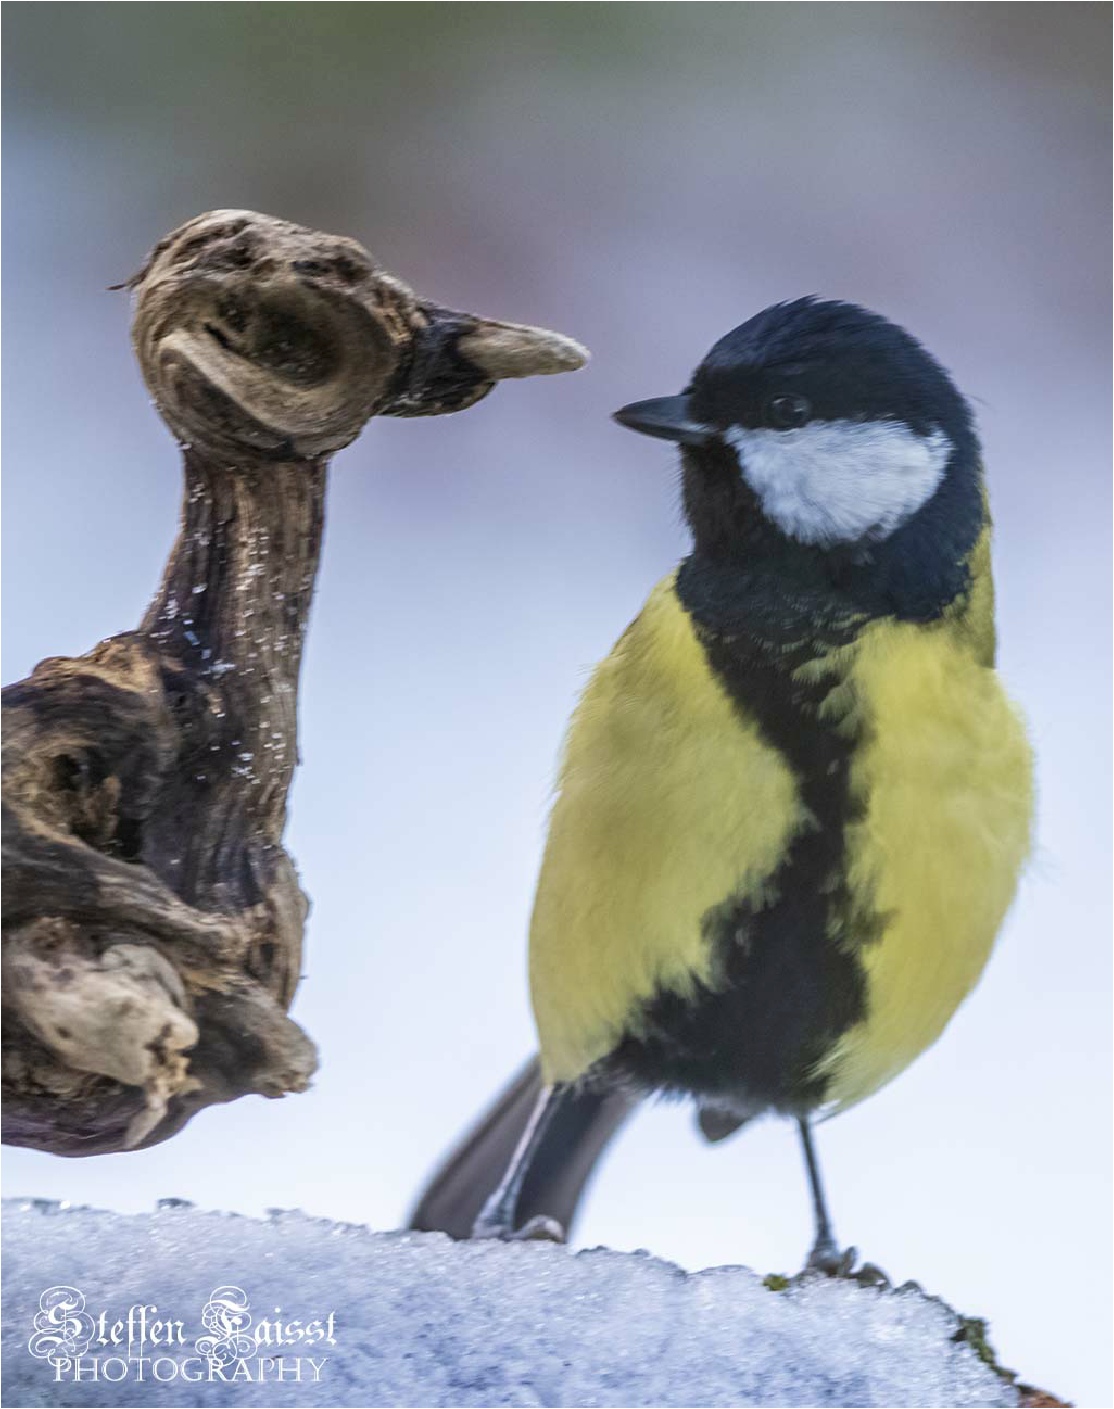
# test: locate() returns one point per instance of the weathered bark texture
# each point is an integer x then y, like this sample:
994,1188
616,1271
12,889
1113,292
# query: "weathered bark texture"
152,922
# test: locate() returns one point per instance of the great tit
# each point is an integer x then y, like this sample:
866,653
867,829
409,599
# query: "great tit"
794,800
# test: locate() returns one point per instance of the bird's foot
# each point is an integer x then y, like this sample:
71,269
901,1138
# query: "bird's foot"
828,1259
538,1229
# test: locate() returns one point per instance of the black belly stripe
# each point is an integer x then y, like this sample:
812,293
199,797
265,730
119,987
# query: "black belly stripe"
782,992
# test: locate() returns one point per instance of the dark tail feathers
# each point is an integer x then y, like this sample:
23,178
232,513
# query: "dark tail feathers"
559,1171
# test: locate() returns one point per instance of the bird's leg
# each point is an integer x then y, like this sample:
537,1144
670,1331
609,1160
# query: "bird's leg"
826,1255
497,1217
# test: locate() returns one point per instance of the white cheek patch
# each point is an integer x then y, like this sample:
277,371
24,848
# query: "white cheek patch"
838,481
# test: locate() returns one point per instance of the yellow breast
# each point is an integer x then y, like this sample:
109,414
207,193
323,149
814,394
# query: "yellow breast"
945,780
667,802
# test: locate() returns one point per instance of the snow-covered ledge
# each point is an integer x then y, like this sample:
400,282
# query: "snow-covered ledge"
182,1307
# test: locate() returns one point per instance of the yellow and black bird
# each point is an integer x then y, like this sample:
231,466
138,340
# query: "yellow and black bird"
794,799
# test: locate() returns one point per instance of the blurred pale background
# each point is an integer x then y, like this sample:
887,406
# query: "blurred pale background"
642,177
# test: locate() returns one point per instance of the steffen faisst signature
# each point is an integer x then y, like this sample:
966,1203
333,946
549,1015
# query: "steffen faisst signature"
142,1343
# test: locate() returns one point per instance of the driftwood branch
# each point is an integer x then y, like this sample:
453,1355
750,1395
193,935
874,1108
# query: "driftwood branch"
152,922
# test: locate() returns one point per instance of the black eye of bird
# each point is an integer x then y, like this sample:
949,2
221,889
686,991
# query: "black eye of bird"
785,412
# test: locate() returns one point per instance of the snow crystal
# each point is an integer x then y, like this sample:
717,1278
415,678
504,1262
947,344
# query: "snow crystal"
298,1310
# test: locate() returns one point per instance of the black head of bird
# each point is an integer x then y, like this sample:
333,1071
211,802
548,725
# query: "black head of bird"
824,439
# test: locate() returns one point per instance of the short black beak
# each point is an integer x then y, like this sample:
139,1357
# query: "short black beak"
668,418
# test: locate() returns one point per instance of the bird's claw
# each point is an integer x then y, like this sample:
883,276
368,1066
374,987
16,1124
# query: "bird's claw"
829,1260
871,1275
